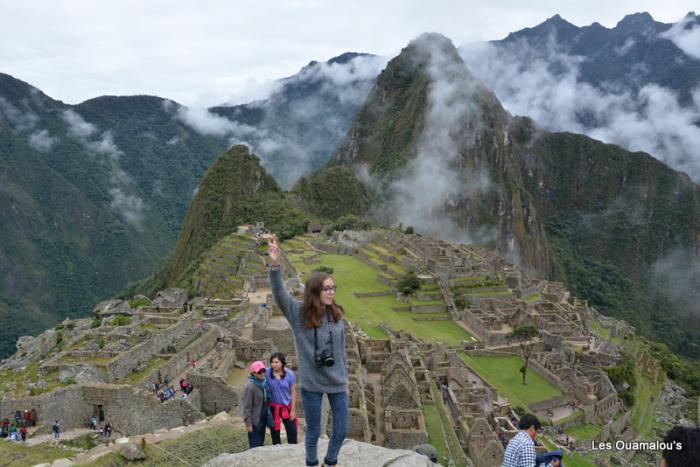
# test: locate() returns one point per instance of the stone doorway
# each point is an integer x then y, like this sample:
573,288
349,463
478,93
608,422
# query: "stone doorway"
99,412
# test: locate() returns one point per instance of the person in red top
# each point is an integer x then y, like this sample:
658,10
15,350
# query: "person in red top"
282,383
23,433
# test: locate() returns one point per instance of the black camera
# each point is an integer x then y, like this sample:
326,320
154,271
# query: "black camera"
325,358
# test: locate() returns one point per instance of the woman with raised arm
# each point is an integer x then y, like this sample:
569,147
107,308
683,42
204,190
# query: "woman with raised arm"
319,338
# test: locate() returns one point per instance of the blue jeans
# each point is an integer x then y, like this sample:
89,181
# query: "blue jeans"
312,412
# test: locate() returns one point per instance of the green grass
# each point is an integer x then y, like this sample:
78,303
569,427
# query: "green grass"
583,431
503,374
352,275
14,454
452,444
195,448
436,436
569,460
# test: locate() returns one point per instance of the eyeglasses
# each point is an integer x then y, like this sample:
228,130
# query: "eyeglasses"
331,289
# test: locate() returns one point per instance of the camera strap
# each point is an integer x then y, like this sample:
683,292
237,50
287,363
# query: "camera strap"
330,334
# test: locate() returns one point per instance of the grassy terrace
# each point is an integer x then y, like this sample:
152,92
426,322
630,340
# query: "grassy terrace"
195,448
352,275
584,431
503,374
570,460
20,455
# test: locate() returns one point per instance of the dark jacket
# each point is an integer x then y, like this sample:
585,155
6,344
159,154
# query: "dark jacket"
251,404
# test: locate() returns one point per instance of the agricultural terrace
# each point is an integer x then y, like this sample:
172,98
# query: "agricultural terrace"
503,373
355,276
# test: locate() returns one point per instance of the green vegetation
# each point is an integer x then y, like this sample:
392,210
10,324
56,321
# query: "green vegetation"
584,431
503,374
408,283
524,336
352,275
139,302
195,448
136,377
436,435
120,320
325,269
95,323
450,440
21,455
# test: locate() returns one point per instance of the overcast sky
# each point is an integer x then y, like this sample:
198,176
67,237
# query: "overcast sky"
208,52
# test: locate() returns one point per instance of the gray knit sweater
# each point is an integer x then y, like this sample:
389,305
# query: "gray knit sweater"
313,378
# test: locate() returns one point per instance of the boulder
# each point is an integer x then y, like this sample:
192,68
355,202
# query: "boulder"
170,298
112,307
293,455
31,348
132,452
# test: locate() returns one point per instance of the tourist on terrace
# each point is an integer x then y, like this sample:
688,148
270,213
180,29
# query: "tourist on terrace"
319,336
255,404
521,449
283,403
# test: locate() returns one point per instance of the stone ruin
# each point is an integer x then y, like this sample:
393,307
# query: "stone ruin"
98,368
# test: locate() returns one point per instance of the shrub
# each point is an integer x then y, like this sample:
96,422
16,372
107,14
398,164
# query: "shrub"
139,302
101,342
96,323
409,283
326,269
120,320
409,230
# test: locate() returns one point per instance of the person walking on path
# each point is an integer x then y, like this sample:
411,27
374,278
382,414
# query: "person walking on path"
255,404
521,449
319,338
283,403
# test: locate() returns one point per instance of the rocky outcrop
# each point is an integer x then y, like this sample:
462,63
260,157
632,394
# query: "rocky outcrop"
170,298
112,307
31,348
353,453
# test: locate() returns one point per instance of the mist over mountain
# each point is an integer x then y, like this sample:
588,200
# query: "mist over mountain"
636,85
299,126
436,150
91,197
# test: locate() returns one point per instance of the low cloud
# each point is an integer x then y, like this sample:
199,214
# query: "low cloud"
129,206
306,116
21,119
677,277
686,35
434,181
42,141
77,126
205,122
545,85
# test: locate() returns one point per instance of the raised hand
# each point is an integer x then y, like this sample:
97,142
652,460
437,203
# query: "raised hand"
273,251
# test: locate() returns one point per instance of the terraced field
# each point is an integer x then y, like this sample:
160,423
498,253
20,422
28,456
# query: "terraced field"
352,276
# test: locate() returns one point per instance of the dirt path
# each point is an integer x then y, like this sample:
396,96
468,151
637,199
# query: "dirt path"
65,436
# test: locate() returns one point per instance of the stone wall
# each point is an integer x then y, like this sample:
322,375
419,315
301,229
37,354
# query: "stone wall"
130,410
183,359
404,429
215,395
129,360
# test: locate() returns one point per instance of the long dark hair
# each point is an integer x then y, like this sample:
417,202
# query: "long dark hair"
279,356
313,308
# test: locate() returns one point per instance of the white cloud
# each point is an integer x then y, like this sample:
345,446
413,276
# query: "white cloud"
677,276
77,126
651,120
435,180
42,141
205,122
686,35
201,54
22,120
127,205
